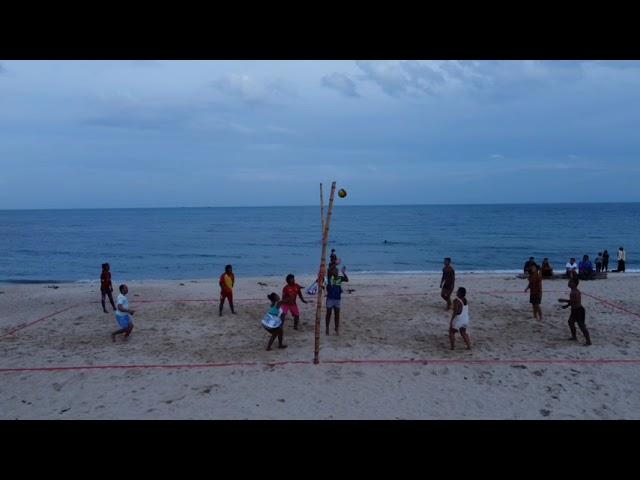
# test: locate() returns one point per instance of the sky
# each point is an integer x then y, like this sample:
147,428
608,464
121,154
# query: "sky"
118,134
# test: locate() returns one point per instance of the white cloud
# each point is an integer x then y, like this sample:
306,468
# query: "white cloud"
340,83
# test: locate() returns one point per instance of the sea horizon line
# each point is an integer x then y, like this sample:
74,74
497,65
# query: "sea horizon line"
315,206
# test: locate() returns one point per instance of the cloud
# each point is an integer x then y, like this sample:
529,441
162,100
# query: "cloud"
498,78
2,69
340,83
497,156
281,87
243,87
411,78
253,91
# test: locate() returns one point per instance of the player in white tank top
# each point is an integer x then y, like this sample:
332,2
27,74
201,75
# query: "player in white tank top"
460,319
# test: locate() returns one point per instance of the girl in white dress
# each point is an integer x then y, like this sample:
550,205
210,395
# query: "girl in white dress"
460,318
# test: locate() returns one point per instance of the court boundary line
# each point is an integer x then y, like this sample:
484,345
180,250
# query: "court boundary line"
481,292
422,362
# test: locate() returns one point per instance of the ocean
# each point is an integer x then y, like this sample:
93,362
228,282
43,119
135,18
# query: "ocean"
191,243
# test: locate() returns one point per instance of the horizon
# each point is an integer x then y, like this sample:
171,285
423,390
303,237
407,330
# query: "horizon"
326,203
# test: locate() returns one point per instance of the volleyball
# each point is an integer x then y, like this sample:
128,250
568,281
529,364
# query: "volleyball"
342,193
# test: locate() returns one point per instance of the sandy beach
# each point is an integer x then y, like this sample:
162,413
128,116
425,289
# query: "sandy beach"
391,360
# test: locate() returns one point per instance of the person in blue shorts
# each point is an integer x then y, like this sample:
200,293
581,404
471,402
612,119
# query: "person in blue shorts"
122,314
334,294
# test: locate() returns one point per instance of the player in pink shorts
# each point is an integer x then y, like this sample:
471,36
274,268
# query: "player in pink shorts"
289,293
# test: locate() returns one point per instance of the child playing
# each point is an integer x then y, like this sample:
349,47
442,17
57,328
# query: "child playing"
227,280
289,293
535,285
460,318
106,287
577,311
272,321
334,292
122,314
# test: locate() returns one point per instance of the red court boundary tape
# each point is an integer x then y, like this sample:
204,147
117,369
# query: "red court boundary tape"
497,292
602,300
424,362
25,325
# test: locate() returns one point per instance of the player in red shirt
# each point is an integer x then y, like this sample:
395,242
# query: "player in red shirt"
106,288
227,280
289,293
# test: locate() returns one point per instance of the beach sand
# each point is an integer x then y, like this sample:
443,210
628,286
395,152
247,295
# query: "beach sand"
391,361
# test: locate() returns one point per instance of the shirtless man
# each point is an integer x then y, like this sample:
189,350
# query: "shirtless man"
447,282
577,311
535,285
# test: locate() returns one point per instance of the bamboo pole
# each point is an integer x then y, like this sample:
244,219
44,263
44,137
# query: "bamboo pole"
322,273
322,209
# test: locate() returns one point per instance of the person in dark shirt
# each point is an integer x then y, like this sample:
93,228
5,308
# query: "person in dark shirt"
598,262
334,294
448,281
106,288
605,261
546,270
528,264
585,268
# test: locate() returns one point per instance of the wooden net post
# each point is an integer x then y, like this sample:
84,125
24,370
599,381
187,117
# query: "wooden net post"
322,273
322,209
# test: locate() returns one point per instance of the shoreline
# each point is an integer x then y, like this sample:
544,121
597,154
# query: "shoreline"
363,275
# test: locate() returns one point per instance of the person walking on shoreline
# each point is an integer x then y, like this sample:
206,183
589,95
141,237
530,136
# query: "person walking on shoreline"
622,259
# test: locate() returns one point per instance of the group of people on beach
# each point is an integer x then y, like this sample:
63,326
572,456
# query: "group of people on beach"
574,301
460,316
585,270
274,320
